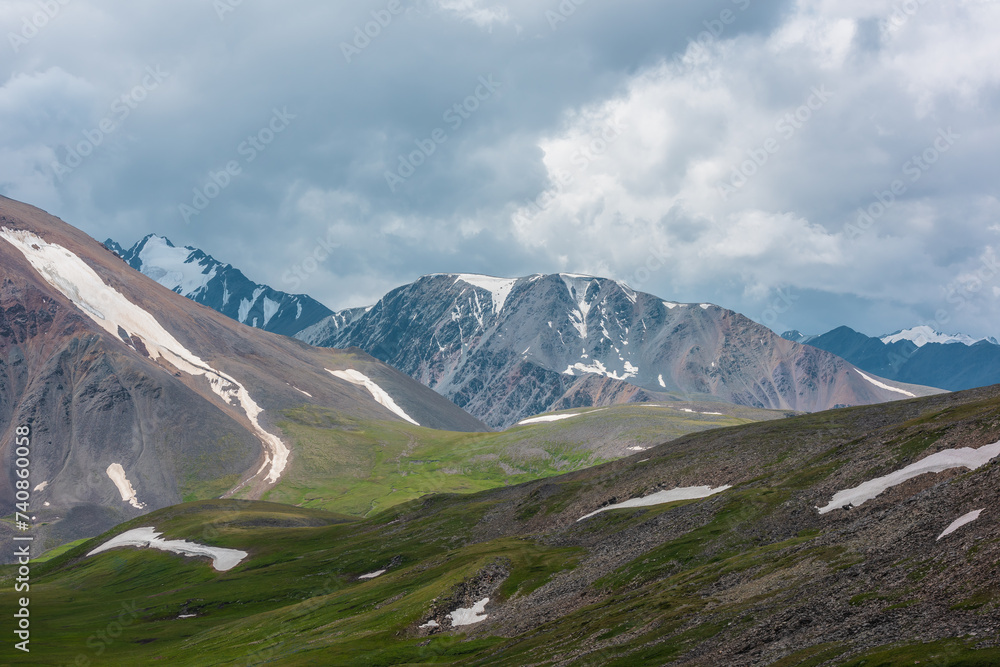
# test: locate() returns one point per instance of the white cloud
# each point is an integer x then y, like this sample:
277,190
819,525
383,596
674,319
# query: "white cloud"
476,12
690,122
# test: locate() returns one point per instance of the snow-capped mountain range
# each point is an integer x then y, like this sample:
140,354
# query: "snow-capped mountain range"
505,349
919,355
923,334
200,277
508,348
919,335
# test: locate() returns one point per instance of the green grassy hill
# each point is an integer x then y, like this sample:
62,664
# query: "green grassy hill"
751,576
359,467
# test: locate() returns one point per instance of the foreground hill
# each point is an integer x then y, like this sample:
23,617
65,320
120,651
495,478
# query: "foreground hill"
138,398
505,349
920,356
753,574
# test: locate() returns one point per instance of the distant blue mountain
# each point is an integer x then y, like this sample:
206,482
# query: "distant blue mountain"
957,362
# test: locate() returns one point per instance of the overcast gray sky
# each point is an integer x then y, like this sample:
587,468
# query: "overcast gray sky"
718,150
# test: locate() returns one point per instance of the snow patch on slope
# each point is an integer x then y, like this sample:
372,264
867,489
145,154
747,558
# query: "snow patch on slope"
110,309
599,368
882,385
577,287
547,418
966,457
960,521
660,497
379,394
117,475
469,616
499,288
270,309
222,559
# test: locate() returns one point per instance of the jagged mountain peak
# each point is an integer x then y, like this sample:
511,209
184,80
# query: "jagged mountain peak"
197,275
508,348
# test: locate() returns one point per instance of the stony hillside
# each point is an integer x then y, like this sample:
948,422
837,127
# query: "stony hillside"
859,537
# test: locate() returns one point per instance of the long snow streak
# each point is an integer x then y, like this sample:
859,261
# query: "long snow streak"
660,497
966,457
380,395
117,474
147,536
960,521
882,385
546,418
111,310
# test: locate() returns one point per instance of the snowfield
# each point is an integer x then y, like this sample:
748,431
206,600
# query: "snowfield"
960,521
147,536
170,266
372,575
660,497
469,616
380,395
117,475
598,368
109,308
966,457
547,418
882,385
499,288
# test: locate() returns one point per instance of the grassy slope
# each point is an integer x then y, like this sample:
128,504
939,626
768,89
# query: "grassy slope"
359,467
747,577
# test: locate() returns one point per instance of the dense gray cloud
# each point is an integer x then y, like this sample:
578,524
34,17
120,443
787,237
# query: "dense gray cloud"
712,151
